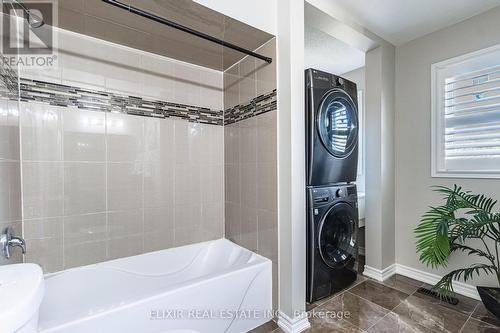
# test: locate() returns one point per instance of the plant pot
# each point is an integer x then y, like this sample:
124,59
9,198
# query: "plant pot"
491,299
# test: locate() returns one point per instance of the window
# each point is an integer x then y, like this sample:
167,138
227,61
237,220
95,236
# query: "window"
466,115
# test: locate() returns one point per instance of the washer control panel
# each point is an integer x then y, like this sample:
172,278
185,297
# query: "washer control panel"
323,195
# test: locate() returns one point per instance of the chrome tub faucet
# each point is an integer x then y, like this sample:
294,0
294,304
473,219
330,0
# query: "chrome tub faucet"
8,240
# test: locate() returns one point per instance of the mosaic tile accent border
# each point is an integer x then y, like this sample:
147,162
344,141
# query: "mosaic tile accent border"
8,82
69,96
259,105
88,99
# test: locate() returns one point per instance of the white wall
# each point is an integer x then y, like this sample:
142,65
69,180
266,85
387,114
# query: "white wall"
413,130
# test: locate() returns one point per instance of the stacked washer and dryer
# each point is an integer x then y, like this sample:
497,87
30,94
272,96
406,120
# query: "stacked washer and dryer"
331,169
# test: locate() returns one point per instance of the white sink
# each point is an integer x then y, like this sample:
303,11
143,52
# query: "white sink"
21,292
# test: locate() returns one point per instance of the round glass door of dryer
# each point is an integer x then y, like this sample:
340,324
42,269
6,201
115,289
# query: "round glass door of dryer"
337,123
337,235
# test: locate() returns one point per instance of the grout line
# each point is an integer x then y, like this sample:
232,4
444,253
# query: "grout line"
106,184
142,177
468,318
388,313
21,173
61,124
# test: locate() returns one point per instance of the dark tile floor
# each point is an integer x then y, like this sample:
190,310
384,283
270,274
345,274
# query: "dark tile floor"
393,306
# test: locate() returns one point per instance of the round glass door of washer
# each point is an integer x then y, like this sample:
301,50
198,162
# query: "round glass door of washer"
337,235
337,123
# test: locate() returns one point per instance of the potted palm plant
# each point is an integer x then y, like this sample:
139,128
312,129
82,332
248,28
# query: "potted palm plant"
450,228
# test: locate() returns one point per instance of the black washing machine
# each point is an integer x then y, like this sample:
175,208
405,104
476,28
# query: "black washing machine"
331,129
332,226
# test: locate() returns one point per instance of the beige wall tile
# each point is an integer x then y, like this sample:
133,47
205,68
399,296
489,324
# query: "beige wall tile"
80,254
231,87
232,143
158,184
48,253
266,73
82,72
10,191
84,135
249,228
267,180
250,157
84,188
44,243
181,141
187,84
158,228
125,247
212,184
48,228
267,138
211,89
125,186
42,189
247,80
248,140
197,143
125,74
233,221
212,220
41,128
188,222
159,78
9,130
249,180
159,140
187,184
215,141
268,234
85,228
125,223
232,183
124,137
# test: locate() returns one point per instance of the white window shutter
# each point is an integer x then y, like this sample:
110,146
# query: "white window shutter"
466,115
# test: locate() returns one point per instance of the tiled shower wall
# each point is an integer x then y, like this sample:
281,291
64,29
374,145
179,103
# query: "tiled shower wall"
101,185
251,157
10,173
10,177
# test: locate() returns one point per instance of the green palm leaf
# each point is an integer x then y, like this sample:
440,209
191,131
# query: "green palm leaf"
446,229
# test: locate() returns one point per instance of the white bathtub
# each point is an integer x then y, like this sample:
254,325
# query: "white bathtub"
208,287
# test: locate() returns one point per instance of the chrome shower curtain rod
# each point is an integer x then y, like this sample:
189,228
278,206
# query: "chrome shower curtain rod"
180,27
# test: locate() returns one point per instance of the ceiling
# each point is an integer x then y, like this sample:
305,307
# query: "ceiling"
328,54
399,21
98,19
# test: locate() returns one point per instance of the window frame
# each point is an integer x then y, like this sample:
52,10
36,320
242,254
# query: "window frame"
438,169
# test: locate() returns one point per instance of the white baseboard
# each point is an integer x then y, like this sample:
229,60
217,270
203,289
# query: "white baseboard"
422,276
430,278
380,274
293,325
